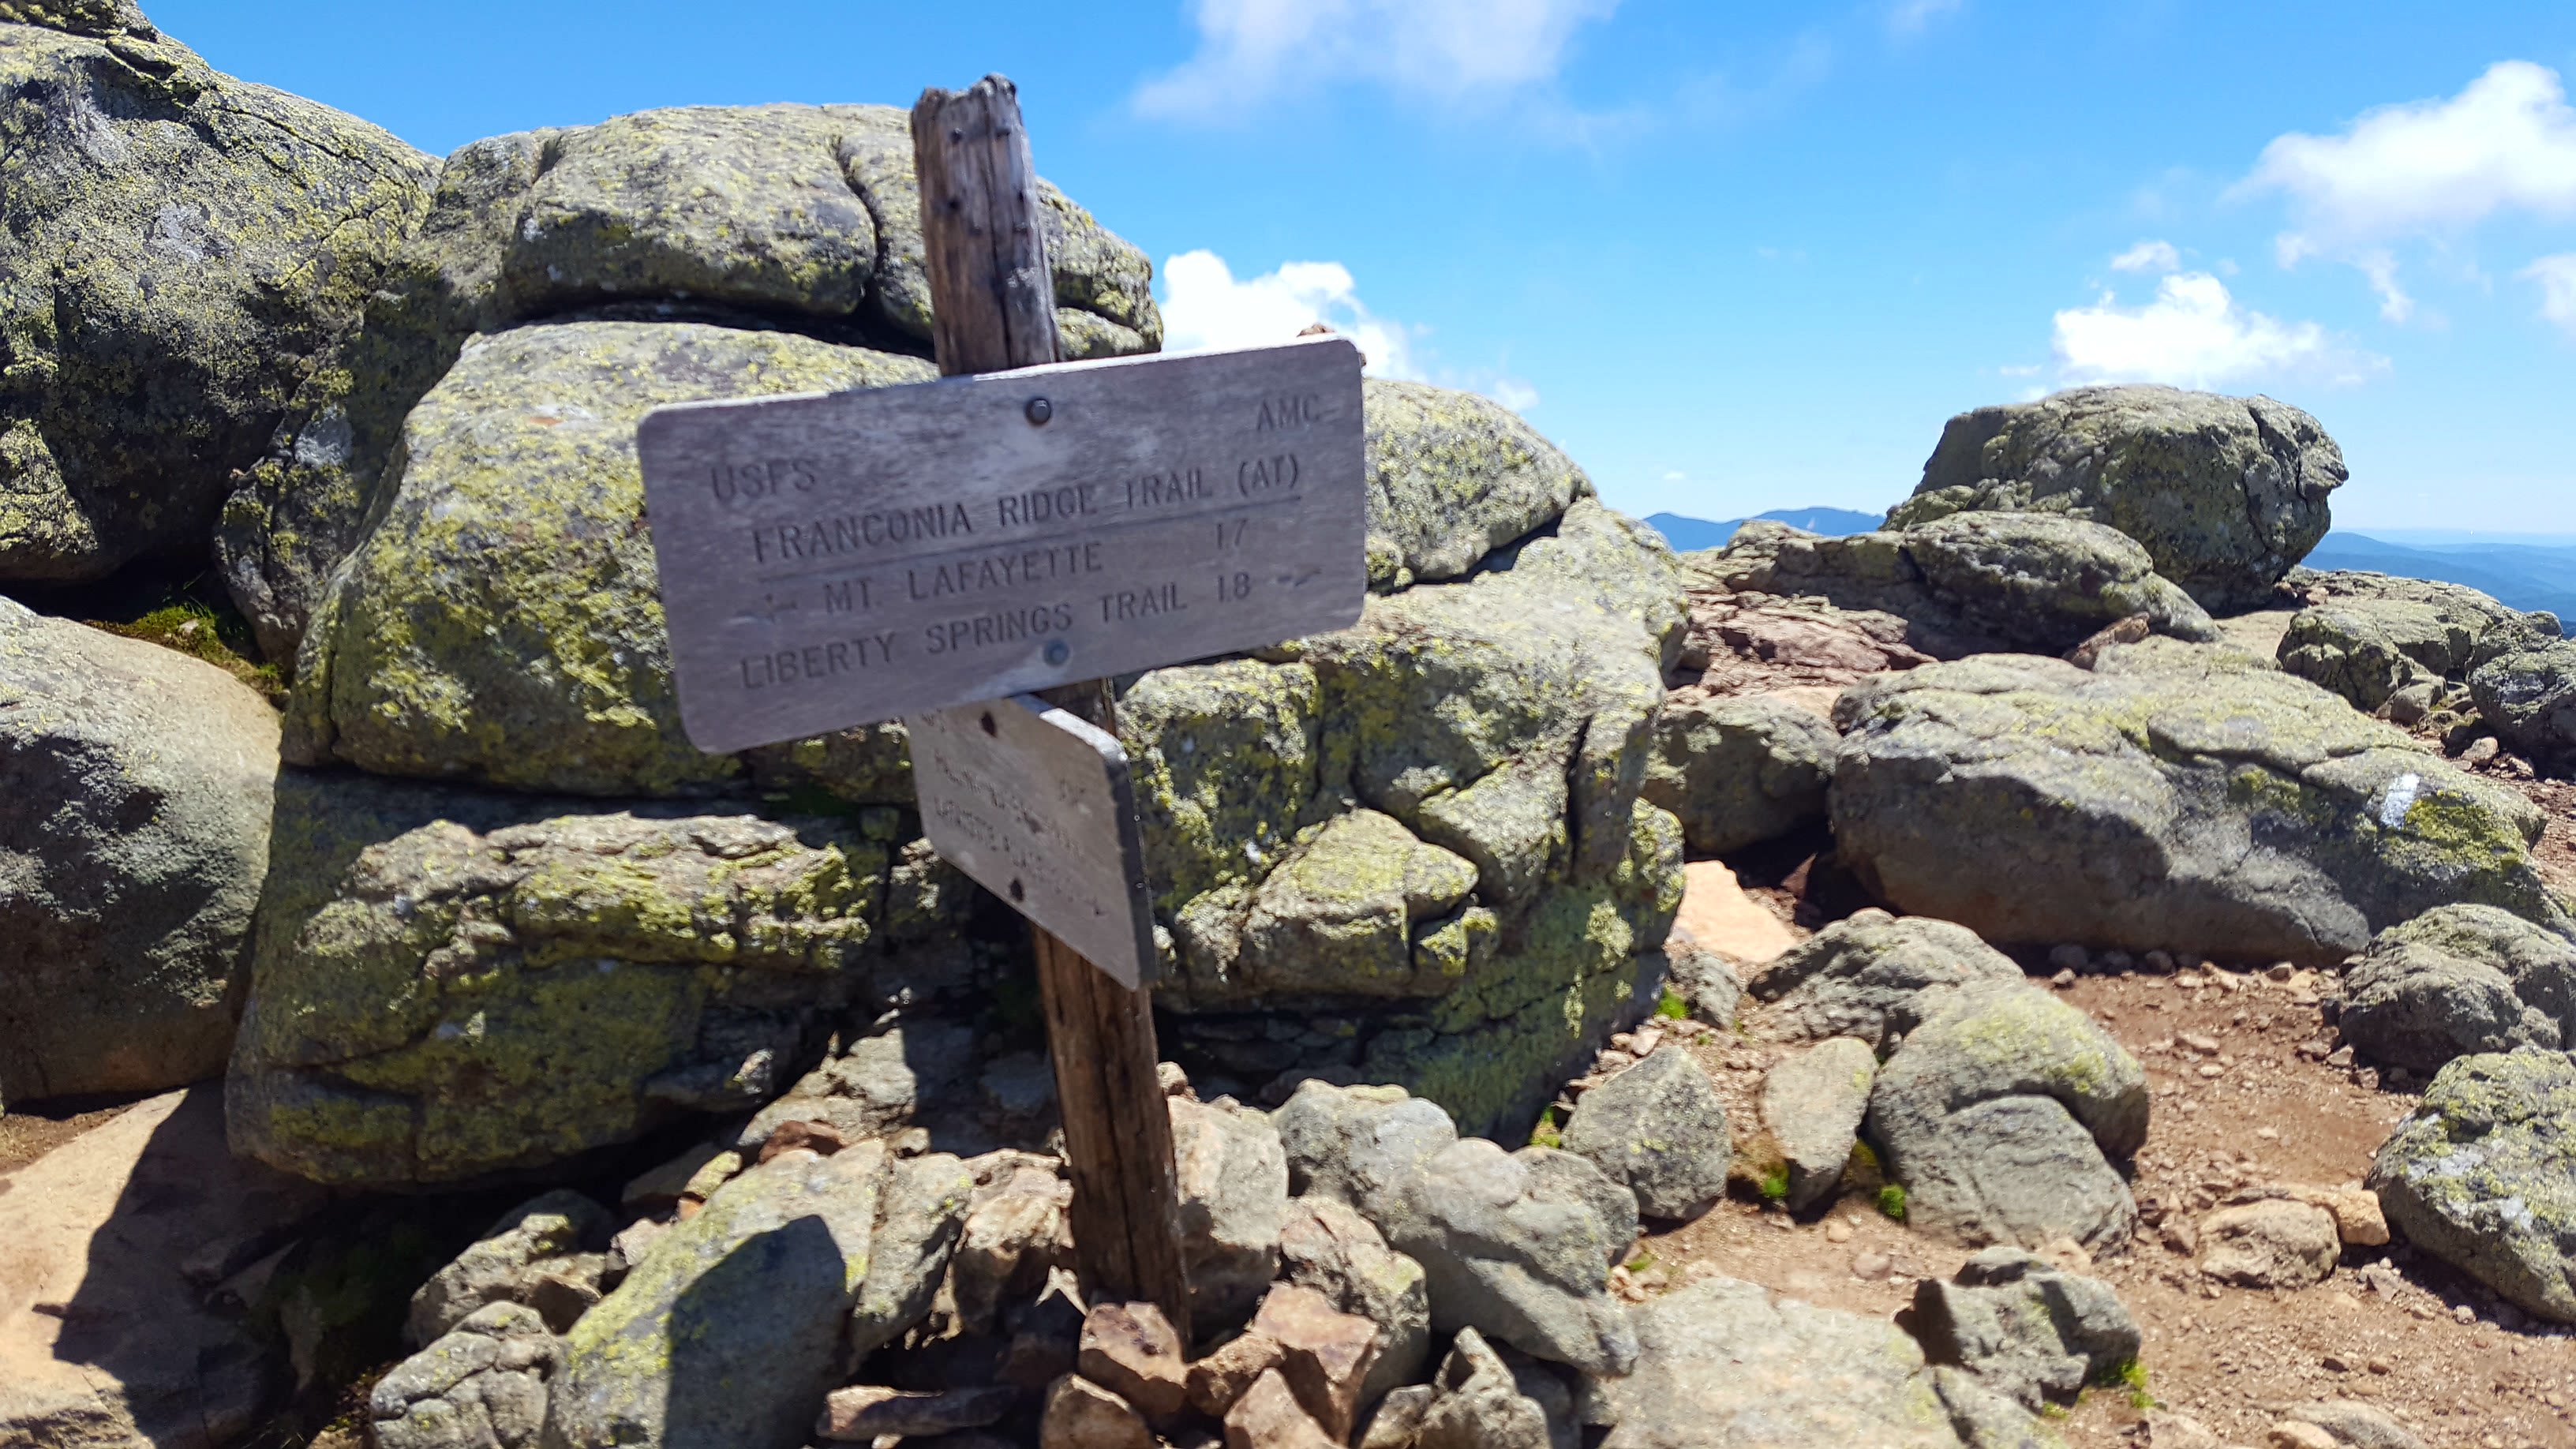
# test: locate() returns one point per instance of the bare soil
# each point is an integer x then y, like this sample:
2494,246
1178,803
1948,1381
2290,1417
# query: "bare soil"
2390,1326
27,1133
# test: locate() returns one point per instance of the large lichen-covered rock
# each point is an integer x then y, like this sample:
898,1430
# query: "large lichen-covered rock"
728,1334
2000,1115
1739,771
783,215
2459,979
448,984
1457,775
134,818
502,624
2367,636
2225,494
2483,1175
1453,476
182,246
2529,698
1972,583
2164,800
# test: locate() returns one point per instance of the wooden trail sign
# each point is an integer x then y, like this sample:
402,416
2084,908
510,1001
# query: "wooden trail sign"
832,560
934,552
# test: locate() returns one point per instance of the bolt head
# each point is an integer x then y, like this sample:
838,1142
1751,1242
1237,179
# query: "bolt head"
1039,410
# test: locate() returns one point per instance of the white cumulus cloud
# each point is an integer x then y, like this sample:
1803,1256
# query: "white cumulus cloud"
2436,168
2148,256
2557,278
1253,50
2194,334
1204,305
2506,142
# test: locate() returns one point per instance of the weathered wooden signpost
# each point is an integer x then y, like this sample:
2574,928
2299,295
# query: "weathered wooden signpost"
944,552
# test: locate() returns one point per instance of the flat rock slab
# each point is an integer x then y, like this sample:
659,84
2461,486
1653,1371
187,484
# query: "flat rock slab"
1722,918
1725,1365
103,1341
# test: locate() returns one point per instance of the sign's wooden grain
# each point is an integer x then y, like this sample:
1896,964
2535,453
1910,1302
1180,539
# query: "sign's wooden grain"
836,559
1037,806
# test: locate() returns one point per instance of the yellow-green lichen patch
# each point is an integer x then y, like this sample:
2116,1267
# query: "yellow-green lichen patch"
447,984
1226,762
503,623
1994,1039
2483,1175
1338,914
1451,477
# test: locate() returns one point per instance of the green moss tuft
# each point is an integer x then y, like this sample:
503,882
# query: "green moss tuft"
1545,1134
1891,1201
2131,1374
1774,1184
1672,1007
203,631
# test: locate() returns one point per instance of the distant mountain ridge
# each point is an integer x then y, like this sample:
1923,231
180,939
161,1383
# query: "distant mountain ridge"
2524,575
2527,576
1687,535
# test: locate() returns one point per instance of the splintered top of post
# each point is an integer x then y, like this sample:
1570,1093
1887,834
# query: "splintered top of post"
993,294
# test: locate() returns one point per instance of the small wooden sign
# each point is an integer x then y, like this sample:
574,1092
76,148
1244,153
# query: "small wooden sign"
1037,806
830,560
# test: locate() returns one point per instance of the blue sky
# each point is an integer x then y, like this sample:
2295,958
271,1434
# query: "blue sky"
1731,257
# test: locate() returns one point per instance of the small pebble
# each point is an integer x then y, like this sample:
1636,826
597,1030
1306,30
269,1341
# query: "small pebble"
1871,1266
2062,980
1838,1231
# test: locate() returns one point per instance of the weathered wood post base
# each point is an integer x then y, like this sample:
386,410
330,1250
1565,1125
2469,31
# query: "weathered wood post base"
993,309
